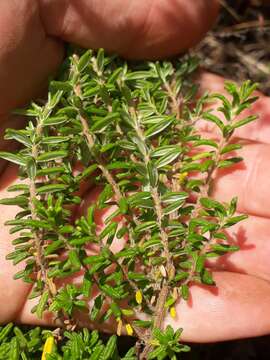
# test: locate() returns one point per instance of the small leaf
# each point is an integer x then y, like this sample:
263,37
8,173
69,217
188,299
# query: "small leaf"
185,292
233,206
205,142
100,60
52,140
51,188
165,150
31,168
55,120
172,196
52,247
158,128
52,155
213,204
245,121
224,248
123,205
168,158
18,200
234,220
74,259
84,60
207,278
230,147
18,187
173,207
42,304
14,158
152,174
213,118
110,348
147,225
229,162
157,353
19,136
61,85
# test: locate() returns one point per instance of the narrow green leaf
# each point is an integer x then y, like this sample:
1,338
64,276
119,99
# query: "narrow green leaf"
158,128
168,158
173,207
52,140
100,60
147,225
52,155
230,147
18,135
18,187
165,150
234,220
31,168
172,196
14,158
205,142
229,162
52,247
51,188
55,120
245,121
5,331
17,200
185,292
152,174
110,348
84,60
42,304
224,248
213,118
61,85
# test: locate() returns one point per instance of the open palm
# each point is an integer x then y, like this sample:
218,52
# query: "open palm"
240,304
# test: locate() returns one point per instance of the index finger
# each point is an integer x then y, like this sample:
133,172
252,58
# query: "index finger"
135,29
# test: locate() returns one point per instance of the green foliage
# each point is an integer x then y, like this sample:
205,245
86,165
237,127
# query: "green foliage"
130,129
28,344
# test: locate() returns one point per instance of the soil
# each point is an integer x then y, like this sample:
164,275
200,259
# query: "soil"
239,45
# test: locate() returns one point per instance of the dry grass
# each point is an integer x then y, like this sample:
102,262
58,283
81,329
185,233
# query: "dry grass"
239,45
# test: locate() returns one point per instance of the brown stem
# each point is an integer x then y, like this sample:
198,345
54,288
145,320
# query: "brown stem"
160,313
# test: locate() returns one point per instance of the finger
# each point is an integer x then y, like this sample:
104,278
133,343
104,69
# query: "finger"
248,180
238,307
258,130
13,293
135,29
253,238
27,55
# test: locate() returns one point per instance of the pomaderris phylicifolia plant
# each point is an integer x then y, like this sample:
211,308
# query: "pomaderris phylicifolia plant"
130,130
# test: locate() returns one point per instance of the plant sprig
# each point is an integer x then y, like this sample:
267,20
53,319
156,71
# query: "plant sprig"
130,129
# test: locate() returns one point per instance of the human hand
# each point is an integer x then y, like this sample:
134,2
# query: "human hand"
206,319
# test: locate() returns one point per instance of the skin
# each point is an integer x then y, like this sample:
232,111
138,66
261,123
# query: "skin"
31,48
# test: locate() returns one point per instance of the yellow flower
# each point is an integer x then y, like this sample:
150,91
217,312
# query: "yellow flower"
48,347
173,312
119,327
138,296
129,329
182,177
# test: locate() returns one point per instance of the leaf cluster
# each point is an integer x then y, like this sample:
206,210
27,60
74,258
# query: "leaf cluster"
129,129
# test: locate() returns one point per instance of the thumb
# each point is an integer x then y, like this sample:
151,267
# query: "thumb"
135,29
